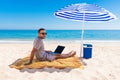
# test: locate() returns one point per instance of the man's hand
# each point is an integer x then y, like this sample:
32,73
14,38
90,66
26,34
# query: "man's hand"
28,63
48,51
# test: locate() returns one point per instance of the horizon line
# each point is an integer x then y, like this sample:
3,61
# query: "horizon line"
60,29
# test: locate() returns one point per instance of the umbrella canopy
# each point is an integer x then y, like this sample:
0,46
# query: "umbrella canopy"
84,12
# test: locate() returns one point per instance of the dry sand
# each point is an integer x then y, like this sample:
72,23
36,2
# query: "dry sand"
104,65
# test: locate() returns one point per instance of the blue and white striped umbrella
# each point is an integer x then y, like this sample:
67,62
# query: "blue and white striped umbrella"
84,12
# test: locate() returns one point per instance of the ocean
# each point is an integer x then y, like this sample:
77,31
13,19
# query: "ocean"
30,35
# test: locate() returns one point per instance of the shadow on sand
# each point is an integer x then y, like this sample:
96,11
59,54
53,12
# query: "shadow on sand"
50,70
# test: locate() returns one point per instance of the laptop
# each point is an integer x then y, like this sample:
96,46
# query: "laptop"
58,50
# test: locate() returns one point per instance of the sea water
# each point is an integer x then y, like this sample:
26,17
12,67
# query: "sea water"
30,35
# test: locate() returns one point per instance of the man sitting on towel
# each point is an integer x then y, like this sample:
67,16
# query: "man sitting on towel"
44,55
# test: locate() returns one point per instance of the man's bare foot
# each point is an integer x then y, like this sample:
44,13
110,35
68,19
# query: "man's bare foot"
72,53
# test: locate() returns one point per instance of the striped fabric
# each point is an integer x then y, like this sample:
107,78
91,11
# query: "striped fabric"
85,12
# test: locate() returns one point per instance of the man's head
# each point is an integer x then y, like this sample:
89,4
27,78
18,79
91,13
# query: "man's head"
42,33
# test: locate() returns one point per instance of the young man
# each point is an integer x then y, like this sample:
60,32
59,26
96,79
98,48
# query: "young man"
41,54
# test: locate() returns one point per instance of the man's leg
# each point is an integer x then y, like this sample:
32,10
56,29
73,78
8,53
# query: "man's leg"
61,56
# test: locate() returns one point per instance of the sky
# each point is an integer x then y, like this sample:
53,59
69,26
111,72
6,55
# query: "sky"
34,14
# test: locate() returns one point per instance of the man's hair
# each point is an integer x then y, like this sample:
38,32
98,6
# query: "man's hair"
40,29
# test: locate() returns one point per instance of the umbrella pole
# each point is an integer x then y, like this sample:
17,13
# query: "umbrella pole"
82,35
81,53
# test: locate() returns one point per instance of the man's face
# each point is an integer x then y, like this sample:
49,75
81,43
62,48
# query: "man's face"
42,34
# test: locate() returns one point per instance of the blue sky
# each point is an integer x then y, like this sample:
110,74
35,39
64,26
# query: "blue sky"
34,14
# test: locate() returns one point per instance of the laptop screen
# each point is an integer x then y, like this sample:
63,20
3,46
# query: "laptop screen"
59,49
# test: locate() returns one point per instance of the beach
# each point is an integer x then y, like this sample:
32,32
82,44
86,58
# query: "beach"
104,64
59,23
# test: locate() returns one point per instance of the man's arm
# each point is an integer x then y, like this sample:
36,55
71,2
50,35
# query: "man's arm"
31,56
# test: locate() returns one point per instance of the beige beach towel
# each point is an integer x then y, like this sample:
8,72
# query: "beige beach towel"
72,62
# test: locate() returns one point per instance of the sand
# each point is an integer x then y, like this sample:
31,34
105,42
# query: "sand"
104,65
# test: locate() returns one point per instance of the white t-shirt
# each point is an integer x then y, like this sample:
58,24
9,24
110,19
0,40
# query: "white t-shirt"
38,44
41,54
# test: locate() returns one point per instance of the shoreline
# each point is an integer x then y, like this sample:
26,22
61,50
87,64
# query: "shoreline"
57,41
